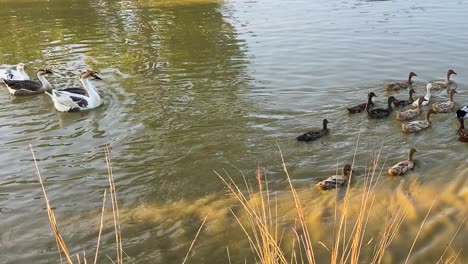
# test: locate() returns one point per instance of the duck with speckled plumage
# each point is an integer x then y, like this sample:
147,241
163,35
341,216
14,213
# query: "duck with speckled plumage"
403,166
335,181
397,85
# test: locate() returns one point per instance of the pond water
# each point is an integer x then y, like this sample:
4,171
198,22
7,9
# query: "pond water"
193,87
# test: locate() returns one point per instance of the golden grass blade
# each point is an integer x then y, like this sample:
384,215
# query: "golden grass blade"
115,207
194,239
58,237
419,231
453,238
100,225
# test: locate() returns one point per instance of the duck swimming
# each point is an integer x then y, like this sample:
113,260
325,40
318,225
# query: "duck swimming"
28,87
427,96
381,112
462,132
462,112
361,107
397,85
313,135
19,74
410,113
443,84
402,103
445,107
416,126
66,101
335,181
403,166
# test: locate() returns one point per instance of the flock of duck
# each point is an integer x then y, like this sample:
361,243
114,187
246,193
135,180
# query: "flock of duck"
71,99
74,99
409,127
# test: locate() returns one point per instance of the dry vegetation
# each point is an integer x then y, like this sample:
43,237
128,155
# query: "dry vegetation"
273,241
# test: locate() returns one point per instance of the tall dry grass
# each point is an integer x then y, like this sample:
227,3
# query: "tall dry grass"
264,232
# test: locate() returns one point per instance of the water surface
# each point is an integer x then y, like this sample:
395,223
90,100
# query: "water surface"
195,86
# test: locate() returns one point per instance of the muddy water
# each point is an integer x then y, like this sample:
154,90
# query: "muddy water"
195,86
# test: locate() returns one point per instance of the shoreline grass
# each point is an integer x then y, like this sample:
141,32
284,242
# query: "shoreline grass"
273,241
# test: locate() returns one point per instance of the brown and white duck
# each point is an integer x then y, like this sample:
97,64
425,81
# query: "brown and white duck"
416,126
462,132
381,112
28,87
445,107
411,113
397,85
403,103
315,134
443,84
403,166
335,181
361,107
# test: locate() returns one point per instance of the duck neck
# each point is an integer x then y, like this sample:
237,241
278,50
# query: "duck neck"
89,87
448,77
462,124
324,125
428,116
410,155
428,94
451,96
390,104
411,96
410,76
369,102
45,84
420,101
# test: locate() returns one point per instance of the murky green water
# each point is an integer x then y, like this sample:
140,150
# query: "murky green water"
195,86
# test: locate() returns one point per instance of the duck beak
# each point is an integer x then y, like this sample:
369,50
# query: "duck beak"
96,77
49,71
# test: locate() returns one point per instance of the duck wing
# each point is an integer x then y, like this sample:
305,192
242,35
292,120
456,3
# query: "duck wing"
331,182
23,85
397,85
312,135
358,108
75,90
70,100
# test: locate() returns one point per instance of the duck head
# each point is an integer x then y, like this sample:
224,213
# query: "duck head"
371,94
42,72
450,72
21,67
411,75
324,123
347,169
90,74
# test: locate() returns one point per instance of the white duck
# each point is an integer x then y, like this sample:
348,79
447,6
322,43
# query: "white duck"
66,101
28,87
19,74
427,96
